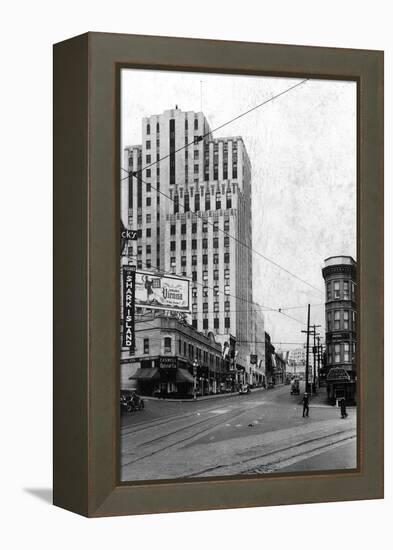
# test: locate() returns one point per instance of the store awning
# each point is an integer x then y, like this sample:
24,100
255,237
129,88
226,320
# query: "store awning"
146,374
182,375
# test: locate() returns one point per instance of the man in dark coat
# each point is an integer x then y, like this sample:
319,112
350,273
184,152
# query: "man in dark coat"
343,407
306,402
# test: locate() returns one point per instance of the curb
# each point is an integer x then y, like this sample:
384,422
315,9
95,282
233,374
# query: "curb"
199,399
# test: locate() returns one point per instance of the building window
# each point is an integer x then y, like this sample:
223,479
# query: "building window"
346,320
186,202
215,259
183,261
173,261
195,324
205,307
148,218
227,322
194,228
148,263
205,291
226,273
336,289
346,352
179,346
158,127
227,289
215,242
148,232
226,241
329,320
215,307
139,264
345,290
207,201
148,201
194,308
337,320
227,305
205,324
194,244
195,124
218,201
167,344
216,323
204,275
139,249
229,200
215,226
204,226
183,229
194,276
337,356
215,275
194,292
204,243
226,258
193,260
148,249
329,357
204,259
354,321
173,245
148,144
215,290
184,245
197,202
226,225
176,204
146,347
148,129
196,168
173,229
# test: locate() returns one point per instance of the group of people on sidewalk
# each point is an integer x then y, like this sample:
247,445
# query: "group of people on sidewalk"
306,406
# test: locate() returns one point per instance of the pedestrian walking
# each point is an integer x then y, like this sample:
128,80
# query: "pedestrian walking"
343,407
306,404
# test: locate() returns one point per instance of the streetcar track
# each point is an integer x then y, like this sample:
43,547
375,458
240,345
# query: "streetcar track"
179,442
276,451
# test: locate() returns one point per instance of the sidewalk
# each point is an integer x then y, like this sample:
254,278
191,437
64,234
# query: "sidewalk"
200,398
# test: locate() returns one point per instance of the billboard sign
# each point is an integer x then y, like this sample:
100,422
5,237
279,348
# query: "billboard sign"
167,292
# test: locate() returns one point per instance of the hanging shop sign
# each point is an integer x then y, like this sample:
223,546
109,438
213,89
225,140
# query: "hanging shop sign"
129,307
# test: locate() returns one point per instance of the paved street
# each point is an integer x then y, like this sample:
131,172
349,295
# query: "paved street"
261,432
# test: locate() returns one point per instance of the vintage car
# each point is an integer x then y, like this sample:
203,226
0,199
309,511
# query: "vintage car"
130,401
244,388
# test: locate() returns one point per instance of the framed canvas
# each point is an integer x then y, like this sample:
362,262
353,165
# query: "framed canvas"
218,274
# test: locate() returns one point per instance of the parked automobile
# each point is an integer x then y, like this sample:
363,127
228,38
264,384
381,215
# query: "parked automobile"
130,401
244,388
295,387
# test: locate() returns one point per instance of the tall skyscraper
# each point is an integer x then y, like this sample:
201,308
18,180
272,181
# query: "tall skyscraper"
192,210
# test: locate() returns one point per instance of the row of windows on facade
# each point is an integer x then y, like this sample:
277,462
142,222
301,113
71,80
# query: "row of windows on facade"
340,290
205,258
340,320
187,350
216,323
216,292
340,353
194,243
216,306
205,227
219,204
148,126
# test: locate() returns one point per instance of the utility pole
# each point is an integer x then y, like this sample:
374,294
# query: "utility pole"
319,348
314,351
307,345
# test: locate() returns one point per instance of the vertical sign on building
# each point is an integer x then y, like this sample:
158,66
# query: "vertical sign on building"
129,307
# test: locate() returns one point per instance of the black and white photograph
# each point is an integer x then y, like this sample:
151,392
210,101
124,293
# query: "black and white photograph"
238,275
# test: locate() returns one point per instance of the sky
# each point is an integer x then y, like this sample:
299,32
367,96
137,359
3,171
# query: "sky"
302,148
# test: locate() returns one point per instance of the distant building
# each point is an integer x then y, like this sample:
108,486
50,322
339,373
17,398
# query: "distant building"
340,277
297,361
270,362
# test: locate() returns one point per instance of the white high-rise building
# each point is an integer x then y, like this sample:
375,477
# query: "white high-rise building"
192,210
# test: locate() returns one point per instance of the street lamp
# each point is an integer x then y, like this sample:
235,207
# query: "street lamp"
195,372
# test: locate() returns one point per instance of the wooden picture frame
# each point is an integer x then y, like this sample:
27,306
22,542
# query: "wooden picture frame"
87,272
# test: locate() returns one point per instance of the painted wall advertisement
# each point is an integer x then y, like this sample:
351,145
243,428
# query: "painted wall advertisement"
162,292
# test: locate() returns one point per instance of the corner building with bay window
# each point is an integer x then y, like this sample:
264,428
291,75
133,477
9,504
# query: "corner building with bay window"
339,273
192,209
